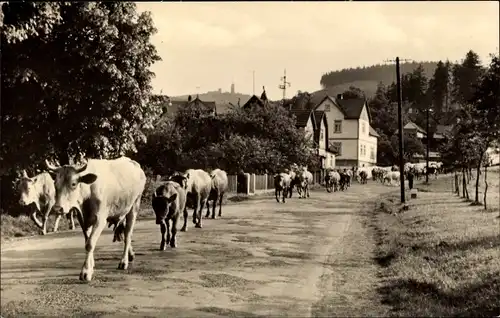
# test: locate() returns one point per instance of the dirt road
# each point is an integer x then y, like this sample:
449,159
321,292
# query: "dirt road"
308,257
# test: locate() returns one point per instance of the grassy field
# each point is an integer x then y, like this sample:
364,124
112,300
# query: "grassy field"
442,256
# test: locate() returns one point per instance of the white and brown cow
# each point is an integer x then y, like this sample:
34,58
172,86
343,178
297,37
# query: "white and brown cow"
40,192
198,185
104,191
219,187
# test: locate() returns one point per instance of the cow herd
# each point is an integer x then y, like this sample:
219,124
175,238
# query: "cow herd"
108,192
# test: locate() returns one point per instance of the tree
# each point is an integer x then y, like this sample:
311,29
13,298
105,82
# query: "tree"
466,77
257,139
486,101
383,112
353,92
412,146
87,90
438,86
386,156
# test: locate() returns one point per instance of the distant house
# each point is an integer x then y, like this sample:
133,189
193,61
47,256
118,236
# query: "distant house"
350,134
171,107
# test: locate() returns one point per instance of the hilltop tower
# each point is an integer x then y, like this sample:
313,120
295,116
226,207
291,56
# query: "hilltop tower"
232,88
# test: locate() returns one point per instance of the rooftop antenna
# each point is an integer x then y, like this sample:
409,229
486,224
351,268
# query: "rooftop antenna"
284,85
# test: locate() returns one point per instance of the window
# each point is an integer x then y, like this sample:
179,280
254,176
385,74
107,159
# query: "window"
336,147
338,127
327,107
372,153
362,150
363,128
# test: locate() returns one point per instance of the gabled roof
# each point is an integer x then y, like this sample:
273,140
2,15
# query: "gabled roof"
319,116
254,99
412,126
302,118
373,132
197,101
353,107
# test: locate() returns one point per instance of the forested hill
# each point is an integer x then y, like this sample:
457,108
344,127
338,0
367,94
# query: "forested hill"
367,78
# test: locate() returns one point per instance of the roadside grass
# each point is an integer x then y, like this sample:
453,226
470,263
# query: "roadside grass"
442,256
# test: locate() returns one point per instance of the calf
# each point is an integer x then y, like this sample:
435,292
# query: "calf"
281,185
363,175
40,191
103,190
219,187
169,200
305,179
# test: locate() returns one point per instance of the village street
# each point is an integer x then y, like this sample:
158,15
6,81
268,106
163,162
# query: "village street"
308,257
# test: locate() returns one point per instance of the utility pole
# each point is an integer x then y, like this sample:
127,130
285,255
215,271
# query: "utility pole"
284,85
428,148
400,130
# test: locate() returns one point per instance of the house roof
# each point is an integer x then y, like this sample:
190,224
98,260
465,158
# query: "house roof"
353,107
373,132
319,116
412,126
302,117
253,99
197,101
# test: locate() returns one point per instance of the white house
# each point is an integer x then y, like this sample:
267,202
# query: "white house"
315,126
351,135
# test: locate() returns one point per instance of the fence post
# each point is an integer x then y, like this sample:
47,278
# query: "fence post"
265,182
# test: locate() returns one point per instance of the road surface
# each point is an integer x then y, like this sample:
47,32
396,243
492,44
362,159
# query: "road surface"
308,257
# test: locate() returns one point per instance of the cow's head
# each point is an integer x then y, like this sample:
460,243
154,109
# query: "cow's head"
67,181
28,190
181,179
161,202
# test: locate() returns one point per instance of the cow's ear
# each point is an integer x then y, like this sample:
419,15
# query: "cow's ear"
172,198
89,178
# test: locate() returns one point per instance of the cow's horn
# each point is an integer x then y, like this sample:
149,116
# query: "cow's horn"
25,174
82,168
50,166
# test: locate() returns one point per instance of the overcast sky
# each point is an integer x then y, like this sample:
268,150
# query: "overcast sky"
212,44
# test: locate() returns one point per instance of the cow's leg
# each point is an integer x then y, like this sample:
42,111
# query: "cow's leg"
277,195
208,209
284,192
35,218
85,227
200,216
56,222
45,217
173,240
214,204
129,229
163,229
307,189
186,215
169,237
71,220
220,204
90,244
196,207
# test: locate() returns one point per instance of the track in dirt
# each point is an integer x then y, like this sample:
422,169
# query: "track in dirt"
261,259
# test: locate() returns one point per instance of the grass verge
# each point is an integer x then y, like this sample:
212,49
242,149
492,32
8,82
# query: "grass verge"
442,256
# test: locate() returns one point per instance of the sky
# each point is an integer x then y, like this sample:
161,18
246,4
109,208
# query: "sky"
207,46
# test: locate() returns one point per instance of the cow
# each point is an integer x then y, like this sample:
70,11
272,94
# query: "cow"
198,185
392,176
305,179
281,185
344,180
40,191
103,191
363,176
169,201
219,187
332,180
349,174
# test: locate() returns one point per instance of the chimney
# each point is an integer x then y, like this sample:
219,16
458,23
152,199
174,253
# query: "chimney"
189,98
339,96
